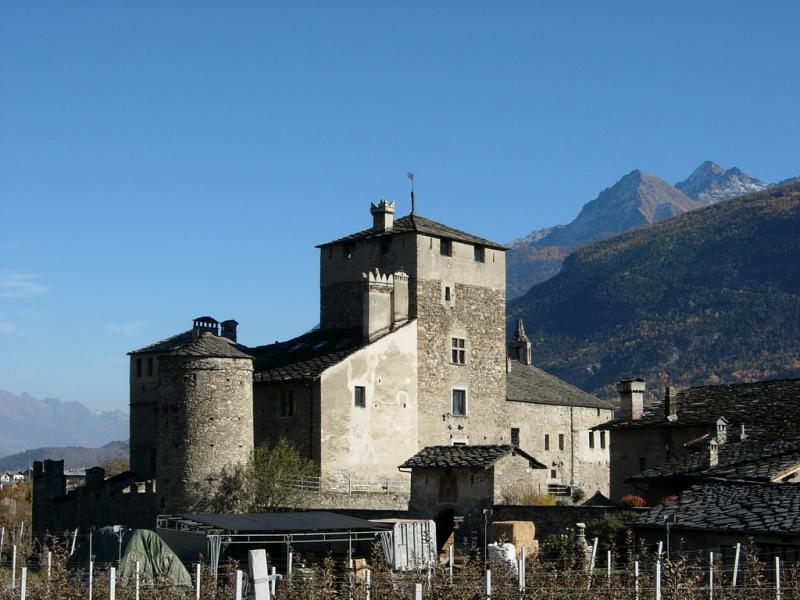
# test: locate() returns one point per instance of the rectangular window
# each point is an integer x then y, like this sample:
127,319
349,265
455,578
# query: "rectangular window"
560,441
138,367
447,294
547,441
591,439
347,251
515,436
602,439
360,398
149,366
480,254
553,474
458,351
287,403
386,244
460,403
446,247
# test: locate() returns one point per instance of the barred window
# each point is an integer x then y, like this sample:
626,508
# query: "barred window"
446,247
547,441
515,436
480,254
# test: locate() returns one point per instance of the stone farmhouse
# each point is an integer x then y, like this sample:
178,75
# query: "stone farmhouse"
410,353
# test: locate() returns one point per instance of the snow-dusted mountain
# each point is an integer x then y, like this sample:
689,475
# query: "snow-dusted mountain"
710,183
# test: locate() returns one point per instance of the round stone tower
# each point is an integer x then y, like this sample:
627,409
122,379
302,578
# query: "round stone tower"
205,416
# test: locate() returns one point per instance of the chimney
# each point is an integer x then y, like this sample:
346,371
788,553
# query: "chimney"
631,395
400,299
377,304
382,215
742,433
722,430
519,347
204,325
95,475
229,329
713,453
670,403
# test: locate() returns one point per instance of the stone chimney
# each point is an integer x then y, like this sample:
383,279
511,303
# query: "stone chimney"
713,453
519,347
631,396
382,215
229,329
670,403
204,325
722,430
742,433
399,298
378,311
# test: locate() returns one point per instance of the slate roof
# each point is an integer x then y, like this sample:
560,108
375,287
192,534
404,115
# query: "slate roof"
749,460
465,457
207,344
417,224
306,356
526,383
731,506
765,407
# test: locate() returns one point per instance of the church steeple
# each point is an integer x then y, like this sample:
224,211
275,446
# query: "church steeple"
520,346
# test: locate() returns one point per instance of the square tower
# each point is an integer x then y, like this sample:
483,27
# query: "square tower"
456,292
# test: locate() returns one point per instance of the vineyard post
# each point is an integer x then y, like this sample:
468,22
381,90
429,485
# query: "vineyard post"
736,564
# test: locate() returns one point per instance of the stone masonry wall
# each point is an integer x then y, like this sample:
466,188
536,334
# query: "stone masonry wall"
144,397
298,428
205,424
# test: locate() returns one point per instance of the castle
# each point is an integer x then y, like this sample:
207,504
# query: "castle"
410,352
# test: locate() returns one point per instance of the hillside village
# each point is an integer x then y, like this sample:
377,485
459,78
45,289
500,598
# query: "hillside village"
414,405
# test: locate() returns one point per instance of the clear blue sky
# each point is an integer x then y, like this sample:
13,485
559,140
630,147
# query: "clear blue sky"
162,160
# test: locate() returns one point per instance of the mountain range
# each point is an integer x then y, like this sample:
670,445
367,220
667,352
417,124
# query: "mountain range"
74,457
27,422
710,296
636,200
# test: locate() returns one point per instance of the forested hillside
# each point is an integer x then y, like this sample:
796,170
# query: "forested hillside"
710,296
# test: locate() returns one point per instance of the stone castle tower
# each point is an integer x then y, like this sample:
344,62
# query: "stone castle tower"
191,410
456,291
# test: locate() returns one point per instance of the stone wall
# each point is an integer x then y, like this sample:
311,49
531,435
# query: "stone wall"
144,396
553,519
513,474
205,424
270,424
577,464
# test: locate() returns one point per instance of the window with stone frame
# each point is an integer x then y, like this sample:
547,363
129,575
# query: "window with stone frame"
445,247
360,396
602,439
515,436
480,254
591,439
458,351
547,441
560,441
459,404
287,403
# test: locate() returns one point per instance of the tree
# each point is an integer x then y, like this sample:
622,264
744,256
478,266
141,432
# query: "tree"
265,483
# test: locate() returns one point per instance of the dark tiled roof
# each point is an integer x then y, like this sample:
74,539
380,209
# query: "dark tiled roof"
600,500
465,457
207,344
526,383
765,407
306,356
749,460
417,224
731,506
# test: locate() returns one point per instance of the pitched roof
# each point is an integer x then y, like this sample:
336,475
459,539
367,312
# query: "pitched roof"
306,356
416,224
764,406
751,460
206,344
465,457
526,383
731,506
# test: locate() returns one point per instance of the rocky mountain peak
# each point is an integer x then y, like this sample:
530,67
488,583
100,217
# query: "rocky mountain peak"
710,183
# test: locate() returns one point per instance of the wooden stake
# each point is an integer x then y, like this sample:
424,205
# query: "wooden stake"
112,583
197,581
417,591
91,578
23,584
591,564
237,590
710,576
636,578
367,584
488,584
736,564
657,589
14,568
136,592
777,578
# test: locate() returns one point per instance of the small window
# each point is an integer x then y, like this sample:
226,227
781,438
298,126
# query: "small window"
460,403
602,439
591,439
149,366
598,412
458,351
138,367
347,251
560,441
447,293
480,254
386,244
547,441
287,403
553,474
446,247
515,436
360,396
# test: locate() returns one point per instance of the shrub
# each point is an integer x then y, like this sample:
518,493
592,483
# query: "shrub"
632,501
578,495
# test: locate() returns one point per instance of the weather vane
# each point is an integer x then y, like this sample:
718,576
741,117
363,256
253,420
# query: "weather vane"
410,175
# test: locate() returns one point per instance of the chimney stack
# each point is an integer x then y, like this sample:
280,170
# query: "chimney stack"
519,347
229,329
722,430
204,325
382,215
399,298
631,395
713,453
742,434
670,403
377,304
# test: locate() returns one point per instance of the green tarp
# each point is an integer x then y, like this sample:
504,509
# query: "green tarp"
154,556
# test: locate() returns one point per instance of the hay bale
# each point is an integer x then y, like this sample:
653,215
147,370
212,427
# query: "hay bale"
519,533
